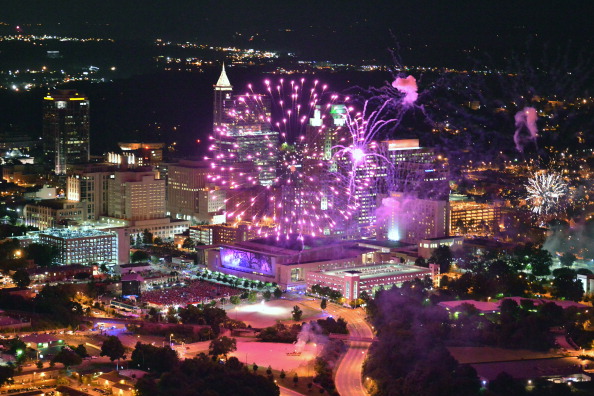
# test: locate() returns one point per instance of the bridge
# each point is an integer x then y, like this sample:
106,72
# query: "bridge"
346,337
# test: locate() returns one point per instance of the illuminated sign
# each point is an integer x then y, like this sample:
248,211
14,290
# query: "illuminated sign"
403,144
246,261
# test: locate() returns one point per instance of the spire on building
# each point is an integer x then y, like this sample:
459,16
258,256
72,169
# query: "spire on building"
223,81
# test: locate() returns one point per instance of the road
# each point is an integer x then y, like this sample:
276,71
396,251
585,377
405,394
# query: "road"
348,375
288,392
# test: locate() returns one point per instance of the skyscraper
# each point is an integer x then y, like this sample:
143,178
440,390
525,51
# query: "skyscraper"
65,129
242,130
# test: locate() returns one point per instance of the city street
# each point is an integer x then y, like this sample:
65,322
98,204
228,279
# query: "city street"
348,375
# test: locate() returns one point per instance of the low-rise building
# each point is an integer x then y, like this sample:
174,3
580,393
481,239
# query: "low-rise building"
286,261
351,282
82,246
59,273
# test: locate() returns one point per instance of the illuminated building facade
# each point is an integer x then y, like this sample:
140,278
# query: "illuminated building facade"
473,218
51,213
90,188
409,219
191,195
242,130
213,234
66,129
351,282
82,246
136,195
286,261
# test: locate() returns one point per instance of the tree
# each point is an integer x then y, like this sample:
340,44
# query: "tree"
235,299
567,259
154,359
420,262
17,347
443,257
255,367
147,237
67,357
222,346
269,370
21,278
43,255
540,261
566,285
267,295
113,348
323,304
6,374
252,296
39,364
295,379
282,374
140,255
277,293
81,351
297,313
189,243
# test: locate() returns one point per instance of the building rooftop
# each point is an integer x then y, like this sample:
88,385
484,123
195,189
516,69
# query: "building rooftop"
292,242
69,233
59,268
55,203
383,243
378,271
132,277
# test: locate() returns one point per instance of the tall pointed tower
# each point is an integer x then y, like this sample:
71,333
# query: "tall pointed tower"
222,91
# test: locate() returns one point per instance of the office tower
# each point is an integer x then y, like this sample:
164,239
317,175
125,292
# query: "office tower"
136,195
191,195
65,129
408,219
242,130
415,170
54,213
90,187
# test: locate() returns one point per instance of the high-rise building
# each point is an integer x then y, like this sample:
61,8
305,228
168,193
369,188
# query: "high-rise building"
136,195
242,130
66,129
89,186
191,195
408,219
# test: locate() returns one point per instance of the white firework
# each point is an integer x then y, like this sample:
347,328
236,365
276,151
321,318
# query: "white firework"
544,191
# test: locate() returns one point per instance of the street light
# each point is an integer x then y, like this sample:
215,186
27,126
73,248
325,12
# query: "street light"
170,335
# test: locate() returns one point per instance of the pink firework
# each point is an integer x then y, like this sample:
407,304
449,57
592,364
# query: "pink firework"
304,195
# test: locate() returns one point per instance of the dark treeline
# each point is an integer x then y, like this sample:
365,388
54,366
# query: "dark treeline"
411,358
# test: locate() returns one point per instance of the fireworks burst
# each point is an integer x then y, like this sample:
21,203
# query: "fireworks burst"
304,196
544,190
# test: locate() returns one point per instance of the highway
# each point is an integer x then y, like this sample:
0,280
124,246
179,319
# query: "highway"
348,375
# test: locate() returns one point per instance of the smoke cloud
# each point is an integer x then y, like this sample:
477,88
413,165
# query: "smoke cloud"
525,118
408,86
310,332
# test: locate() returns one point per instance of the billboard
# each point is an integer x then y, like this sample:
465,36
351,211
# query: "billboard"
240,260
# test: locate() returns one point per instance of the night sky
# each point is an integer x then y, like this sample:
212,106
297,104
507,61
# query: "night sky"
424,31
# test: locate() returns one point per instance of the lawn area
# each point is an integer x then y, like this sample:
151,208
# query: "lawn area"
491,354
